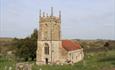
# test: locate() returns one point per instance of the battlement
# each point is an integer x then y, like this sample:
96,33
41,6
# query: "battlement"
48,18
49,27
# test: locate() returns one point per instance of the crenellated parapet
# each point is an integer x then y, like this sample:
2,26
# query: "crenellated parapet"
49,19
45,17
49,26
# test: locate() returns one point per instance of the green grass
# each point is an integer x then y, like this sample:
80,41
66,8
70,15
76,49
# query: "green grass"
6,63
92,61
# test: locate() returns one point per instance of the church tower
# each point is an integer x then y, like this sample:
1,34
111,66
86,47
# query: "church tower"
49,38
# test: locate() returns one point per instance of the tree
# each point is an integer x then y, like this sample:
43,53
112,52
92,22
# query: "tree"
107,46
26,48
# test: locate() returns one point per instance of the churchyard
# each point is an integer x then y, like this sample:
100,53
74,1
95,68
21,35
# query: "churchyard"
95,58
92,61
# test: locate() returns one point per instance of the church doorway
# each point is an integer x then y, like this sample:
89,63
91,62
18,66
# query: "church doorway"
46,60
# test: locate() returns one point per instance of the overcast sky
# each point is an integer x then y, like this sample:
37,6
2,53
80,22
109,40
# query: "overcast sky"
81,19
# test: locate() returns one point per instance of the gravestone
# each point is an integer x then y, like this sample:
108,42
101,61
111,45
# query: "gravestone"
23,66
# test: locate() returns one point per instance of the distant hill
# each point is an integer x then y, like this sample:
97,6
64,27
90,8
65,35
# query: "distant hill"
95,45
5,39
6,44
89,45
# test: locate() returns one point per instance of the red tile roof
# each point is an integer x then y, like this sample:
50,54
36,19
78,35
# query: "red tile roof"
70,45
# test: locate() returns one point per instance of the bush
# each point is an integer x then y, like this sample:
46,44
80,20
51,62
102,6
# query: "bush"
26,48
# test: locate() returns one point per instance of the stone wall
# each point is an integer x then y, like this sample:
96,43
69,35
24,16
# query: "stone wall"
40,59
23,66
49,29
76,55
53,56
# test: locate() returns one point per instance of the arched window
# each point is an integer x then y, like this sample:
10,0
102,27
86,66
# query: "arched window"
46,48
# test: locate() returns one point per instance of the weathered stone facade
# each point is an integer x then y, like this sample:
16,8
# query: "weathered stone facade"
49,44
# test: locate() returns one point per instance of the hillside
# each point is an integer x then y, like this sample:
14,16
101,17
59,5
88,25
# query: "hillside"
6,44
95,45
6,41
88,45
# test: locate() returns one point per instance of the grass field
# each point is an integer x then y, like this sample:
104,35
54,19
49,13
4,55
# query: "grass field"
5,39
6,63
92,61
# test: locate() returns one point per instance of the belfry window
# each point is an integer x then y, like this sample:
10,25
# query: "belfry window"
46,33
46,49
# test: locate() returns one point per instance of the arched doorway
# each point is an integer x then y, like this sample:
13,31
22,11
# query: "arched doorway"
46,60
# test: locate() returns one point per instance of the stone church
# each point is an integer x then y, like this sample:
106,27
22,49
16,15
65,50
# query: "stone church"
51,49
